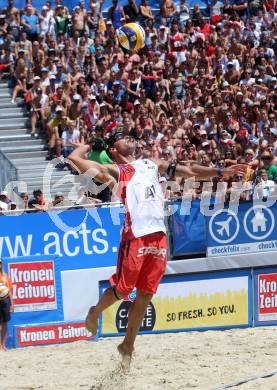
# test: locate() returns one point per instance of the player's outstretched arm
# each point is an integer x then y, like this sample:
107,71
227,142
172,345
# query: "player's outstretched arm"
107,173
198,171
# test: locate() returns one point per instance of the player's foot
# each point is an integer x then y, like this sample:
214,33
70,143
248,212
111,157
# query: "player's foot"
126,357
92,321
3,348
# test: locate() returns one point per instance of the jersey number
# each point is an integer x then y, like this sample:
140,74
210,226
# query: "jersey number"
150,192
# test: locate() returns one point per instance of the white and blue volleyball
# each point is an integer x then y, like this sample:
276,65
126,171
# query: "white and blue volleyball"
131,36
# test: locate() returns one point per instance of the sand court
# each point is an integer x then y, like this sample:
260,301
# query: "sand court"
192,360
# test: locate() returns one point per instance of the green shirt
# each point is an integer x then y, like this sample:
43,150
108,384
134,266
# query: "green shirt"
272,172
100,157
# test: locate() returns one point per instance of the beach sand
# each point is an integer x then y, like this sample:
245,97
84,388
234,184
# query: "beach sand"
192,360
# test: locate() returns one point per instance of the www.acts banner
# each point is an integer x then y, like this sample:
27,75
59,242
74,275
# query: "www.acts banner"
219,300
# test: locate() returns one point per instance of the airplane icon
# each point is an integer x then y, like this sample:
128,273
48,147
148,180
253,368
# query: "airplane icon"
224,226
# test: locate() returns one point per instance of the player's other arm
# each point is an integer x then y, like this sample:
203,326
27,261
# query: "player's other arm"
102,173
197,171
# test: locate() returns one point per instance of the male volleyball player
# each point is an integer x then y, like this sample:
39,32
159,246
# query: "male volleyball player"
143,248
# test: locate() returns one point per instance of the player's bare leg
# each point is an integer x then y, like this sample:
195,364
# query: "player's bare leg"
109,297
3,336
135,317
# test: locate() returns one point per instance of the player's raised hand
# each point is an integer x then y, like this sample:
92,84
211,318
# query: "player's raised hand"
238,169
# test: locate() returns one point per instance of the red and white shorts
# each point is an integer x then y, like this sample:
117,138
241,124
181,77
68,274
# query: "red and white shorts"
141,263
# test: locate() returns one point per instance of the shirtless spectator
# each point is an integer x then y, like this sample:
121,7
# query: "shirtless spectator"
39,203
79,20
167,11
145,10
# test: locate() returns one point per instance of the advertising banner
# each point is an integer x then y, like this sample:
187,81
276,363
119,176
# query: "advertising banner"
51,333
34,285
37,291
250,229
215,300
265,296
188,229
83,238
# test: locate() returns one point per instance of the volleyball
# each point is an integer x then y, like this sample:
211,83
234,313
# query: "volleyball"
131,36
4,291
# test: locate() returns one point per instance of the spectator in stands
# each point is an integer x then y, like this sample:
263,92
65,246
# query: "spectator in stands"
200,90
6,304
30,23
38,202
270,168
54,129
98,153
39,110
24,204
60,201
145,11
131,11
6,59
70,136
116,14
167,10
265,187
4,197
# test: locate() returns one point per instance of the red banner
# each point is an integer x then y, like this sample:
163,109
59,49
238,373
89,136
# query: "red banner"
52,334
267,297
33,285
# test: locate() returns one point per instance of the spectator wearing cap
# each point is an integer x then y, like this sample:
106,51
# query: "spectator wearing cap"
52,88
39,110
46,21
44,78
30,23
4,197
75,108
79,20
62,21
60,201
118,91
6,304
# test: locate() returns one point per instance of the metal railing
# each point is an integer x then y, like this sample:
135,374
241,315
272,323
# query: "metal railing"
8,172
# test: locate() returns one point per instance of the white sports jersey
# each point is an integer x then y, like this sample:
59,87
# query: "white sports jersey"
140,192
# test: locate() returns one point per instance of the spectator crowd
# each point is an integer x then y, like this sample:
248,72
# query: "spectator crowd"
202,90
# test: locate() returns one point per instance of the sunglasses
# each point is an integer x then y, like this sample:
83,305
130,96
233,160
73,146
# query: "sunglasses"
266,158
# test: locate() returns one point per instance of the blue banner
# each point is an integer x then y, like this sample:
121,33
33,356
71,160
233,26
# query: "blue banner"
85,238
248,229
188,229
41,298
